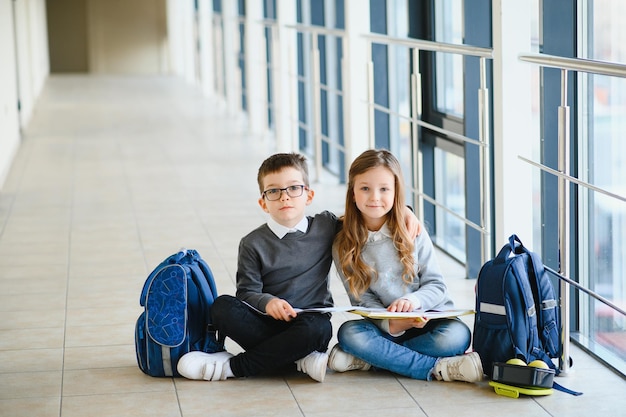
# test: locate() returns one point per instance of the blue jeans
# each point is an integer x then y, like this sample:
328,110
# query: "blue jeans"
412,354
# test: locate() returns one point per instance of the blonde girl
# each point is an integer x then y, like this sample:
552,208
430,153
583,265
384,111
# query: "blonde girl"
381,266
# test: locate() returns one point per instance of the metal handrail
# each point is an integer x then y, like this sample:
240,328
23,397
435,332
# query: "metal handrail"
320,30
431,45
573,179
586,291
577,64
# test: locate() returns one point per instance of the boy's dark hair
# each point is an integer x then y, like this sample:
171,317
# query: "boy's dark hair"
279,161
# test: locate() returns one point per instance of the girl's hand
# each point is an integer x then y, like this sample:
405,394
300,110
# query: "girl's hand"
280,309
400,325
401,305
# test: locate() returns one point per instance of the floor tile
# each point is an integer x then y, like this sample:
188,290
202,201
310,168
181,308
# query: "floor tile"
30,384
46,283
28,407
100,316
43,337
253,396
522,407
143,404
33,319
12,274
97,357
93,381
30,360
351,392
29,302
118,334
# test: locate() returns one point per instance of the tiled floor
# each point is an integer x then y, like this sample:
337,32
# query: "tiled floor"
113,175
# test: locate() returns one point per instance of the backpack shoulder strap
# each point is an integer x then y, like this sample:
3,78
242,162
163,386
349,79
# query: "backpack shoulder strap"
203,281
546,303
537,271
206,271
529,302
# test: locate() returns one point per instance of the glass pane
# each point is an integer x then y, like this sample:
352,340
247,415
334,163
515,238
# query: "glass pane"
609,332
401,129
242,65
449,67
399,97
603,163
399,93
607,219
535,91
450,192
332,102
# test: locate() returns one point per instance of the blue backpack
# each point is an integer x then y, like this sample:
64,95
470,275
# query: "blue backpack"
177,299
517,312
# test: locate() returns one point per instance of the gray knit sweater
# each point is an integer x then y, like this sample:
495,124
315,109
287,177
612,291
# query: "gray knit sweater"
428,290
294,268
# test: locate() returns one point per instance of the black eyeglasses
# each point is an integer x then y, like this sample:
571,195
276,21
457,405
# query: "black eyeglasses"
274,194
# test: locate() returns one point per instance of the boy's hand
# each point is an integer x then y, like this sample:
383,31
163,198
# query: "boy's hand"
412,223
280,309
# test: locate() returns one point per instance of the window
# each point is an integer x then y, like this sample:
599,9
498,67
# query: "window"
241,56
320,88
450,186
399,93
449,29
449,160
602,162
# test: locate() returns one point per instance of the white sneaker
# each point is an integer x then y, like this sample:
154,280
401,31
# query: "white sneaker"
200,365
314,365
340,361
466,368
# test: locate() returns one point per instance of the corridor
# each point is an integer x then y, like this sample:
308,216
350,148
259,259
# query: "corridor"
113,175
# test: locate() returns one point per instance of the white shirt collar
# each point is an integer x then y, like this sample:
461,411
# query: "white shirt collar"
379,234
280,231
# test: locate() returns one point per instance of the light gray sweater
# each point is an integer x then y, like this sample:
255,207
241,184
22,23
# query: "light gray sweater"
428,290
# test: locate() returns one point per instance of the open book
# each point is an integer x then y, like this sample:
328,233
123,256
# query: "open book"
381,313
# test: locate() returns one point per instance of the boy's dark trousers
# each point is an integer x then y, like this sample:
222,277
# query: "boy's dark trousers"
270,345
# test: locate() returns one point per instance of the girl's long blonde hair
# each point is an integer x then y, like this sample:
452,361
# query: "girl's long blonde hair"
351,240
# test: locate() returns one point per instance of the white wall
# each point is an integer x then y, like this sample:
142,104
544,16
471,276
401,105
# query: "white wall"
23,70
181,39
286,94
40,62
232,74
255,74
205,35
32,53
513,133
356,110
9,122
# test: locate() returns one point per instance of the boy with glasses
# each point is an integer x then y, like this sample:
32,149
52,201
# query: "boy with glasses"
283,264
